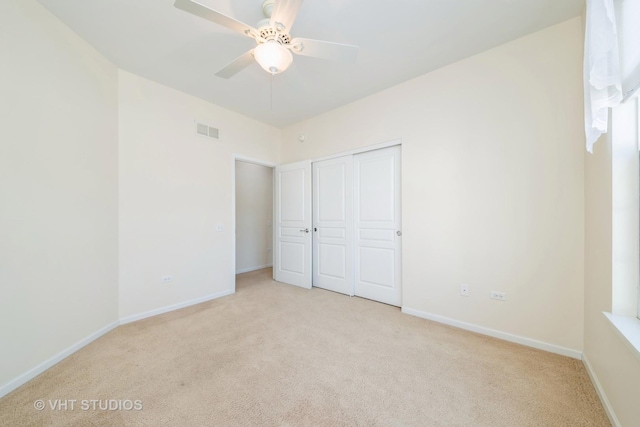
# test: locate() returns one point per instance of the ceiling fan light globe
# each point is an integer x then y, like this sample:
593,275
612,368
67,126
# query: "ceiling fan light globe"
273,57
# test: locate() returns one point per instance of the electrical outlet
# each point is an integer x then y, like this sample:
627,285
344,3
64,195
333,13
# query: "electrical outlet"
500,296
220,228
464,290
167,279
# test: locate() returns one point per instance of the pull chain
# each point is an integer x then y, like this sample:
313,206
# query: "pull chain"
271,97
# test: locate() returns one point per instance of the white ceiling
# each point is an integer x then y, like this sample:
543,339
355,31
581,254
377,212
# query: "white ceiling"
398,40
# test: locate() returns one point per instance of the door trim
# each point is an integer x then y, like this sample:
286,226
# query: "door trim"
364,149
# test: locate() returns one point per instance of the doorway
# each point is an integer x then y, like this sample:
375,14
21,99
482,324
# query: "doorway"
253,196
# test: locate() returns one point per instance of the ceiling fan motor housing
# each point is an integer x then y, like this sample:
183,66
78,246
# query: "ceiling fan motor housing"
269,33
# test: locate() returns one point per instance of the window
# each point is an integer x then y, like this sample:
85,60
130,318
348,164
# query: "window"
612,74
627,13
636,104
625,192
625,180
625,139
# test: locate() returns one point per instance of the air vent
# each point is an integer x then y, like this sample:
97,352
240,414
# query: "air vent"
213,132
208,131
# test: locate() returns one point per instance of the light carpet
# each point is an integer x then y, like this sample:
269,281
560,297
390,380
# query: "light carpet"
277,355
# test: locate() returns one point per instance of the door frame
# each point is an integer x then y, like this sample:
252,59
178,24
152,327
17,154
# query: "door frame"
234,158
359,150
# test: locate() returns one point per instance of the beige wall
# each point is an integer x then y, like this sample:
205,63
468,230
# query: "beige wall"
492,183
175,188
58,189
254,215
616,369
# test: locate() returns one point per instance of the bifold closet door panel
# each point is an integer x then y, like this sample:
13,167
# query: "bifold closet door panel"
377,214
333,224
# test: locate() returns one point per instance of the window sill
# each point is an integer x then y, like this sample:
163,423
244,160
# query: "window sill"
628,328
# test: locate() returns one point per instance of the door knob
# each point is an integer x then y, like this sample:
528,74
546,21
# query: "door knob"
399,233
306,230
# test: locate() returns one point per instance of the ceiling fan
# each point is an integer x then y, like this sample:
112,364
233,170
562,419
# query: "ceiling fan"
274,43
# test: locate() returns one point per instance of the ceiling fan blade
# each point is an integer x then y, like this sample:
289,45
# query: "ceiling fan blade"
214,16
324,50
284,14
237,65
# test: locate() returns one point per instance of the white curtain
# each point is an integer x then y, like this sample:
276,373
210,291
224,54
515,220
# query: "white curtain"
602,81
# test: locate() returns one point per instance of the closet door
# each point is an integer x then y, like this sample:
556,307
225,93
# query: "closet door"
333,225
378,225
292,263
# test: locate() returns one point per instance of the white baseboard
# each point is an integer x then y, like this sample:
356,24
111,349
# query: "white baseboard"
601,394
162,310
248,269
29,375
496,334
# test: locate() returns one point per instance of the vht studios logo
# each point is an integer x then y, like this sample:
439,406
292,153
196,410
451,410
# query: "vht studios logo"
88,405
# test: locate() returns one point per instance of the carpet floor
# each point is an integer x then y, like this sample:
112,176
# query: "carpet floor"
277,355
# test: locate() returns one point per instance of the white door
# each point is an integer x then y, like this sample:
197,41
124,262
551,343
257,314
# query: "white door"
292,262
377,225
333,224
